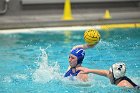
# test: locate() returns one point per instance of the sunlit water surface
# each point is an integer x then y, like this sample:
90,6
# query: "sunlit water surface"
36,62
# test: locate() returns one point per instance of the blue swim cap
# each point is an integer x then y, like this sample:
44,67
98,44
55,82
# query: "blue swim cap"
79,53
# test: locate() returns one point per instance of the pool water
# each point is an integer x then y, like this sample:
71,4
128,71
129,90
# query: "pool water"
35,62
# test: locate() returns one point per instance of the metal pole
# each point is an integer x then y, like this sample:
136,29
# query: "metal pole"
5,7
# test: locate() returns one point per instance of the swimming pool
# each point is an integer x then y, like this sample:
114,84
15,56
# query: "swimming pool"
35,62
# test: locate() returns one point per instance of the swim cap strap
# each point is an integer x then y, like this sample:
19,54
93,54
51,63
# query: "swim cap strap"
113,75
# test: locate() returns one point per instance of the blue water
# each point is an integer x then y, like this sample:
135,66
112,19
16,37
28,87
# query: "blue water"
36,62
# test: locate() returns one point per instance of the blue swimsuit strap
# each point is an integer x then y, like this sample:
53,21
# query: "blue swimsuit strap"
69,72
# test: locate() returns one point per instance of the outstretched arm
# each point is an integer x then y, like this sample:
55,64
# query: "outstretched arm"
99,72
94,71
84,46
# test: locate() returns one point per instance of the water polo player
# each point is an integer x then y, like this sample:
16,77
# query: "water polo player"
75,60
92,37
76,57
116,74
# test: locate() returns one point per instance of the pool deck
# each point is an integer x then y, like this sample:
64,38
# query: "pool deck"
56,21
81,17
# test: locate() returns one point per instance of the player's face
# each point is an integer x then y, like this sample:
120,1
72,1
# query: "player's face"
72,60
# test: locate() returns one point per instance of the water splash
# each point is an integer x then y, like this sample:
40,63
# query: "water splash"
14,78
75,82
45,72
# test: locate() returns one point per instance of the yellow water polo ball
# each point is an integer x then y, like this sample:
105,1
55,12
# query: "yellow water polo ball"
91,36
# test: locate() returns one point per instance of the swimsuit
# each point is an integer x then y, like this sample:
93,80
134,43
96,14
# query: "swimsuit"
70,73
127,79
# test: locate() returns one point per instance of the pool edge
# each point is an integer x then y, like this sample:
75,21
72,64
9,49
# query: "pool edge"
72,28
